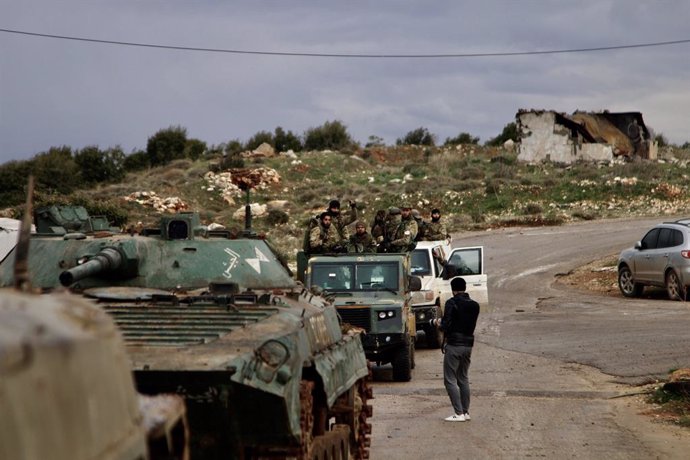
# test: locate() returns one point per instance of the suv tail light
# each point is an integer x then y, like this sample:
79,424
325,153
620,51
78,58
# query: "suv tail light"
685,253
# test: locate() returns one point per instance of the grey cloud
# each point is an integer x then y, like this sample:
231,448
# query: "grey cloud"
55,92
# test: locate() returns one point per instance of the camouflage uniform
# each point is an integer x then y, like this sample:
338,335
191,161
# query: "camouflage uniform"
340,222
435,231
404,235
390,227
323,240
378,227
361,243
421,225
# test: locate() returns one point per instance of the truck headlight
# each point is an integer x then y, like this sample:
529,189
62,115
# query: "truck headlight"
386,314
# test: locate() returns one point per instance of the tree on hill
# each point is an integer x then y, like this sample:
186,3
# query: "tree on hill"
13,182
194,148
166,145
136,161
100,166
510,131
419,136
332,135
462,138
56,171
284,141
261,137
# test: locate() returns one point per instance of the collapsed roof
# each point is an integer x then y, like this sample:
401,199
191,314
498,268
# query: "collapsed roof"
561,137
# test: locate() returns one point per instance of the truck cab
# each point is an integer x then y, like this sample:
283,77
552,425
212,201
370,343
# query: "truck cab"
436,263
373,292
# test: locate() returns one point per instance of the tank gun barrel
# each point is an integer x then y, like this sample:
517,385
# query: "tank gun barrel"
107,260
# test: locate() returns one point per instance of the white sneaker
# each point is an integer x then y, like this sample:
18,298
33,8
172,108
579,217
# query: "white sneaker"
467,417
455,418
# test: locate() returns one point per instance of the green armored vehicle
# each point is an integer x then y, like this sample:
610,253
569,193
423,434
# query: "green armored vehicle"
373,292
262,363
66,388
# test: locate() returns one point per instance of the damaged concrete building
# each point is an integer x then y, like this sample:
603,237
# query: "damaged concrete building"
546,135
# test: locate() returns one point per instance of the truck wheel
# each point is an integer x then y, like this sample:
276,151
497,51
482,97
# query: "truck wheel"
413,346
402,362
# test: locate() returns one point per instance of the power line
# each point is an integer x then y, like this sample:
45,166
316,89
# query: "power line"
347,55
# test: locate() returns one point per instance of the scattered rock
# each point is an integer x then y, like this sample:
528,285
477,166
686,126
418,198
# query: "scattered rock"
170,204
257,210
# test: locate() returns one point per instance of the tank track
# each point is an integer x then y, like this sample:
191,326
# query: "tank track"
349,438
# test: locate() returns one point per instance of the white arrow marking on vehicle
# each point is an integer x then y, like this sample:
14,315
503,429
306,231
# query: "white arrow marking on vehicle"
256,263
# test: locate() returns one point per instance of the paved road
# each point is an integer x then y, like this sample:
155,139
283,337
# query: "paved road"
554,370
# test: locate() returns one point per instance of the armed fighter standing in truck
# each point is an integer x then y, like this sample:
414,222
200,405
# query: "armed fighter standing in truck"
436,229
403,231
324,237
340,222
361,241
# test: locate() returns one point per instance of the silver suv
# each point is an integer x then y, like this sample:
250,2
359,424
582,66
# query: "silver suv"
661,258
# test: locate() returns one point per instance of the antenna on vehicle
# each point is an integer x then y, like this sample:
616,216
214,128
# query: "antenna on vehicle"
248,231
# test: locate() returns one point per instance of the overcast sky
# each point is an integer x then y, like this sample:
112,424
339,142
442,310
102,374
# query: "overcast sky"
59,92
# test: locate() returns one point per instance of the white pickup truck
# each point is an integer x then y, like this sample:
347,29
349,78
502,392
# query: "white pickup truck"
430,261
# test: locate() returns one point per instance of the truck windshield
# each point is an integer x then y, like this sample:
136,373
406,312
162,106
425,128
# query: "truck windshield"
343,277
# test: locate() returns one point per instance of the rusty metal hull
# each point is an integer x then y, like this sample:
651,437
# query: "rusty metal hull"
261,362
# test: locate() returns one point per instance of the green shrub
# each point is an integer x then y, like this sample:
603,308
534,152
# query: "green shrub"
284,141
332,135
233,160
56,171
462,138
100,166
136,161
276,217
419,136
532,209
471,173
259,138
13,182
375,141
194,149
510,131
166,145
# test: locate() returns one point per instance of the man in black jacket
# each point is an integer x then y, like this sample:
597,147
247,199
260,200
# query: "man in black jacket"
458,323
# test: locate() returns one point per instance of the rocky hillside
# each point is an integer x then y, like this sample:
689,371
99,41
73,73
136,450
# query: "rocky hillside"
475,188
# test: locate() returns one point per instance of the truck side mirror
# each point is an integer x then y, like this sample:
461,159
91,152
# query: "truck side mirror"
415,283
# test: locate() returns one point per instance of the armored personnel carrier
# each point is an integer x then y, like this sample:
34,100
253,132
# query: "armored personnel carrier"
262,363
66,388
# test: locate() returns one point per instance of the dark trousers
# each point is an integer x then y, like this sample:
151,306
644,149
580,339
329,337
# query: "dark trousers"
456,364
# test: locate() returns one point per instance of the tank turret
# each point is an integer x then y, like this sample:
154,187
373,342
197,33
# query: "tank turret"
262,364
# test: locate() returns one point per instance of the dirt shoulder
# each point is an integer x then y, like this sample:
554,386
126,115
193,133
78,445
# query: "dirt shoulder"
659,427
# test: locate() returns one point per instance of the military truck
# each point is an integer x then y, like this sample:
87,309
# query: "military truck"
263,365
372,292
